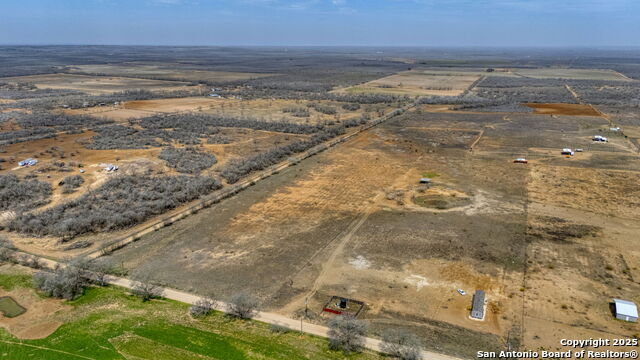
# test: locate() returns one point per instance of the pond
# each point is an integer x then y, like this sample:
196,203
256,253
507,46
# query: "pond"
10,308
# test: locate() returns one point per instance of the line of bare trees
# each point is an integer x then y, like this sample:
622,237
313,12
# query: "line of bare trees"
236,169
121,202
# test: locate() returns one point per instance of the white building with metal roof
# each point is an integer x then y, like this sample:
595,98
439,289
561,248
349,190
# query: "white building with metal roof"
626,310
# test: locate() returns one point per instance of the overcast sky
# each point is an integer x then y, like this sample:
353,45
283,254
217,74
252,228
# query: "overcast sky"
323,22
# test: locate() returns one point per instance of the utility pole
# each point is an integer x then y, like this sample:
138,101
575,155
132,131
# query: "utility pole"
306,308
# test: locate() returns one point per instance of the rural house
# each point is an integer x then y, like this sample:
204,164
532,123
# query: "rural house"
477,309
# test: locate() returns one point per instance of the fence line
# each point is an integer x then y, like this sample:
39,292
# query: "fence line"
227,192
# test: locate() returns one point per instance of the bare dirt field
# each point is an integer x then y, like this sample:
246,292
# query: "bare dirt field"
263,109
354,222
566,73
564,109
164,71
39,321
97,85
416,83
327,228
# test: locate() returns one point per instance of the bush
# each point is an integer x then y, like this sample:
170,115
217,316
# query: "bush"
64,282
47,119
22,195
121,202
325,109
202,307
31,261
218,139
243,306
143,287
347,333
351,106
16,136
7,250
71,183
187,160
187,129
401,344
100,269
297,111
124,137
279,329
205,124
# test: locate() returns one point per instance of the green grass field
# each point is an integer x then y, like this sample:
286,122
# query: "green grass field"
108,323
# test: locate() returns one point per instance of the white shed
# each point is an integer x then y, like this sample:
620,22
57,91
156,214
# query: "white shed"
626,310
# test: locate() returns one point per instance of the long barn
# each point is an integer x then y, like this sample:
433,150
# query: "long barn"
477,310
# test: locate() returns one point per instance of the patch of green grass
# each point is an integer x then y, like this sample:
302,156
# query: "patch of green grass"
108,323
143,348
12,281
430,174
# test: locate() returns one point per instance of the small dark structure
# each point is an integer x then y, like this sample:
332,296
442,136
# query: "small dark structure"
342,306
343,303
425,181
477,310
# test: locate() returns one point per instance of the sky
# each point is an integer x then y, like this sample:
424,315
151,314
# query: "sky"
495,23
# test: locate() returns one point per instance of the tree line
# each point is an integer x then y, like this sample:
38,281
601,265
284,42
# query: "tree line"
121,202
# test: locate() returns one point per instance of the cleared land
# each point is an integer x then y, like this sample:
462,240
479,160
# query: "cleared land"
167,71
97,85
565,73
418,82
294,111
564,109
403,248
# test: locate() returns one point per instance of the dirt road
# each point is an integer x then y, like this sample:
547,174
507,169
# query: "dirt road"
270,318
266,317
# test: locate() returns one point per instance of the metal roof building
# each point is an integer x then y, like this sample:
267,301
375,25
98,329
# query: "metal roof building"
626,310
477,311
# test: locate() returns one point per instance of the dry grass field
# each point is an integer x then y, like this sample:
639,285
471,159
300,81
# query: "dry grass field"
166,71
565,73
404,249
96,85
418,83
263,109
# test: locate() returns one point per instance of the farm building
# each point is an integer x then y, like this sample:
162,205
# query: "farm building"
599,138
425,181
28,162
566,151
477,309
626,310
